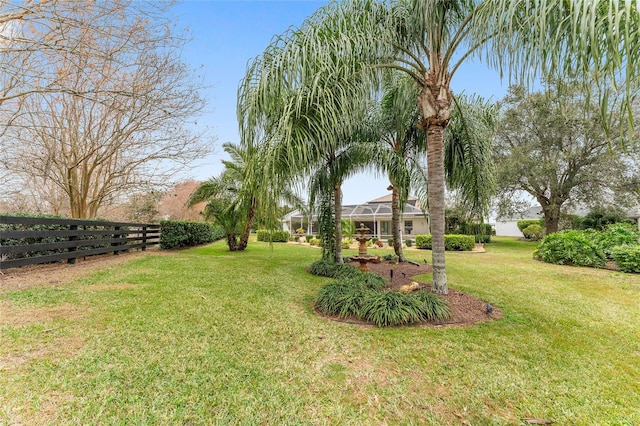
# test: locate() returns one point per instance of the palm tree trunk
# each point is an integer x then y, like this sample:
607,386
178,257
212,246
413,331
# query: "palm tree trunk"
435,187
232,242
337,195
396,218
244,238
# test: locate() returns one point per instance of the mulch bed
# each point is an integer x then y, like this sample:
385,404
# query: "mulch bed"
466,310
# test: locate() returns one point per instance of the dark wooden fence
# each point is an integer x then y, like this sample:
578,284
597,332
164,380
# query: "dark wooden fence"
33,240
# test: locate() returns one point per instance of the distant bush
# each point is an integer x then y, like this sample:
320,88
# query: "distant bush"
533,232
599,217
452,242
482,239
308,237
273,236
525,223
315,242
571,248
177,234
409,243
390,241
627,258
423,241
470,228
346,244
392,258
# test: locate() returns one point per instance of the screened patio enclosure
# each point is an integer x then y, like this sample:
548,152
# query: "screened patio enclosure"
375,215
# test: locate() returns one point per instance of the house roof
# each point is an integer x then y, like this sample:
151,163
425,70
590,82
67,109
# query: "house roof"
374,209
387,199
534,212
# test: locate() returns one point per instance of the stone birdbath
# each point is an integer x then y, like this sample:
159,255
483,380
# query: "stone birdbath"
363,257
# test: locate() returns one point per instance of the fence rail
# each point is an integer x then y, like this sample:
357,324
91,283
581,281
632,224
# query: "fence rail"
32,240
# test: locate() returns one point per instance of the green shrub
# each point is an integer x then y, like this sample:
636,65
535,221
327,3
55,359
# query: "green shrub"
316,242
409,243
346,244
482,238
533,232
525,223
615,235
423,241
627,257
459,242
273,236
570,248
177,234
390,242
308,237
599,217
452,242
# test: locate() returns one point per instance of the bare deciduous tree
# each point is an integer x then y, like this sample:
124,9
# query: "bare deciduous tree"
104,107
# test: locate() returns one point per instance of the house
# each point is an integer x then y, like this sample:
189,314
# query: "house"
374,214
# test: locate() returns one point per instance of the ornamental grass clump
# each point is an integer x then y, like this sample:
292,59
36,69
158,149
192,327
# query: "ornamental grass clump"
432,308
364,296
341,298
391,308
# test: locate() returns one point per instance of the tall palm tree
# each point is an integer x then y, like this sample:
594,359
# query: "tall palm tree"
395,145
303,133
430,40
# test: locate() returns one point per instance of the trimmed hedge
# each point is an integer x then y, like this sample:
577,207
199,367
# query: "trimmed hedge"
533,232
273,236
571,248
177,234
452,242
525,223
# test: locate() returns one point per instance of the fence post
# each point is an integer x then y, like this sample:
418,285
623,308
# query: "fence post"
144,238
72,260
116,235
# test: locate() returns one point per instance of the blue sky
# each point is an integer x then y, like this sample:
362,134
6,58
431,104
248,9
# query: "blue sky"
227,34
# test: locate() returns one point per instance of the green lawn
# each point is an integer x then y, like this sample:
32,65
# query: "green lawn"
204,336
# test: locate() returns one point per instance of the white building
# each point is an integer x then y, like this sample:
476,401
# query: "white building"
508,227
374,214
